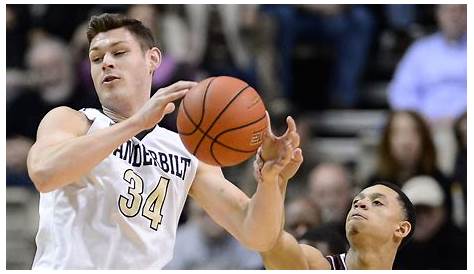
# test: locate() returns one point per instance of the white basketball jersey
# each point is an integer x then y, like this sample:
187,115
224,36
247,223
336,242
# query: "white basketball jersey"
124,213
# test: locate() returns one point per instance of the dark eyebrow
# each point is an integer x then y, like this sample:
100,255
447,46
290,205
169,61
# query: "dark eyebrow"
377,195
112,45
373,196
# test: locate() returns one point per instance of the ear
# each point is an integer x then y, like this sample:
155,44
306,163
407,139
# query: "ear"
403,229
155,59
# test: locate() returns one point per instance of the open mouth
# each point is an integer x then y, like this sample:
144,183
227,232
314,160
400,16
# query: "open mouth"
109,78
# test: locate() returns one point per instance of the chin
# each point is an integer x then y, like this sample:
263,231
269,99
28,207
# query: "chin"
354,227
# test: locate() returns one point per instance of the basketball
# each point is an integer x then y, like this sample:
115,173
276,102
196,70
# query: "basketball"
222,121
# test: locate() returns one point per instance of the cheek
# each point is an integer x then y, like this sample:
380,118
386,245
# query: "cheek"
95,73
138,70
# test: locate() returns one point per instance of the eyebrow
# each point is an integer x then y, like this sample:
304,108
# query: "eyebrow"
372,196
111,45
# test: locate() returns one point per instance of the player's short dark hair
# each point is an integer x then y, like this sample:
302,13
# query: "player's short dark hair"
408,210
109,21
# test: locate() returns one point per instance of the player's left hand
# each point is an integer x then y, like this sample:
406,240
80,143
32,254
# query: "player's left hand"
272,144
285,166
275,147
268,171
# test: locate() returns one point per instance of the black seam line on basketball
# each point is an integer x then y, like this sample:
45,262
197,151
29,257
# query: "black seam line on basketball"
214,156
227,146
218,116
214,139
196,127
228,130
202,114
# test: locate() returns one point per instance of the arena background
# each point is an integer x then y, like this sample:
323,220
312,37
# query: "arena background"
341,70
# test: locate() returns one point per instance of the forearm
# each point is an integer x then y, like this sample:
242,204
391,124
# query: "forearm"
285,254
60,164
263,220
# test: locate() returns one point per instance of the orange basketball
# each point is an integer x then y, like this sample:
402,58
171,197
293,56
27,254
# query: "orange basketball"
222,121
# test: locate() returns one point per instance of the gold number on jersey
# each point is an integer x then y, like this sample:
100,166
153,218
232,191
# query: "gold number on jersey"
130,207
153,203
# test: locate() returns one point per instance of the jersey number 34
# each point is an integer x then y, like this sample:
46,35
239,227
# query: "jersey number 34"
130,206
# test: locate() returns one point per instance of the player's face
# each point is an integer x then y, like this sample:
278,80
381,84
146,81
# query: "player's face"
375,214
120,69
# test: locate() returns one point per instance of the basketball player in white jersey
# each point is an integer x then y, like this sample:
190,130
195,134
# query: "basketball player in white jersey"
110,200
380,221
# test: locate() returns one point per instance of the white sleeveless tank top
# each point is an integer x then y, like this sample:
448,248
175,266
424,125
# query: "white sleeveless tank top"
124,213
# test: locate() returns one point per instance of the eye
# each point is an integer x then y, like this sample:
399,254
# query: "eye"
118,53
377,203
96,59
354,202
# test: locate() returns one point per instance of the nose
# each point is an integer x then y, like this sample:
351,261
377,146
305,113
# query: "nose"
107,62
361,204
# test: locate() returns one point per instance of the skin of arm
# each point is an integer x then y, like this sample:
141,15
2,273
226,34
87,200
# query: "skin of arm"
255,221
63,152
288,254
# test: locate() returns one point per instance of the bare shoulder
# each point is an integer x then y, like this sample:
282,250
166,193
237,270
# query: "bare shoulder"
314,257
63,112
61,123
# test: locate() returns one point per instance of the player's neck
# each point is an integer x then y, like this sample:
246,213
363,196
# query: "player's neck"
381,257
116,117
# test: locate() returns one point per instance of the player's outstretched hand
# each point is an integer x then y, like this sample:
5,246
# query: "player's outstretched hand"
161,103
285,166
275,148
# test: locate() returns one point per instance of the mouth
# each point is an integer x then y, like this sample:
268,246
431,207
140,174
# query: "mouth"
358,216
109,79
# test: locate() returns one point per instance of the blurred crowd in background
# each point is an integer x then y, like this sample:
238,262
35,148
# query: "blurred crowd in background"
378,93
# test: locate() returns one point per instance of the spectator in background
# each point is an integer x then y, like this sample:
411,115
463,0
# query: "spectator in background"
202,244
53,20
158,20
331,190
216,42
348,29
174,66
437,243
301,215
432,73
407,150
400,17
434,70
17,23
48,82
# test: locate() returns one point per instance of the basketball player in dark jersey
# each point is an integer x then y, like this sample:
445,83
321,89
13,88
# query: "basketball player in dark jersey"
380,221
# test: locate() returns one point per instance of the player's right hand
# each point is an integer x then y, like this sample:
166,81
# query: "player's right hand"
161,103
